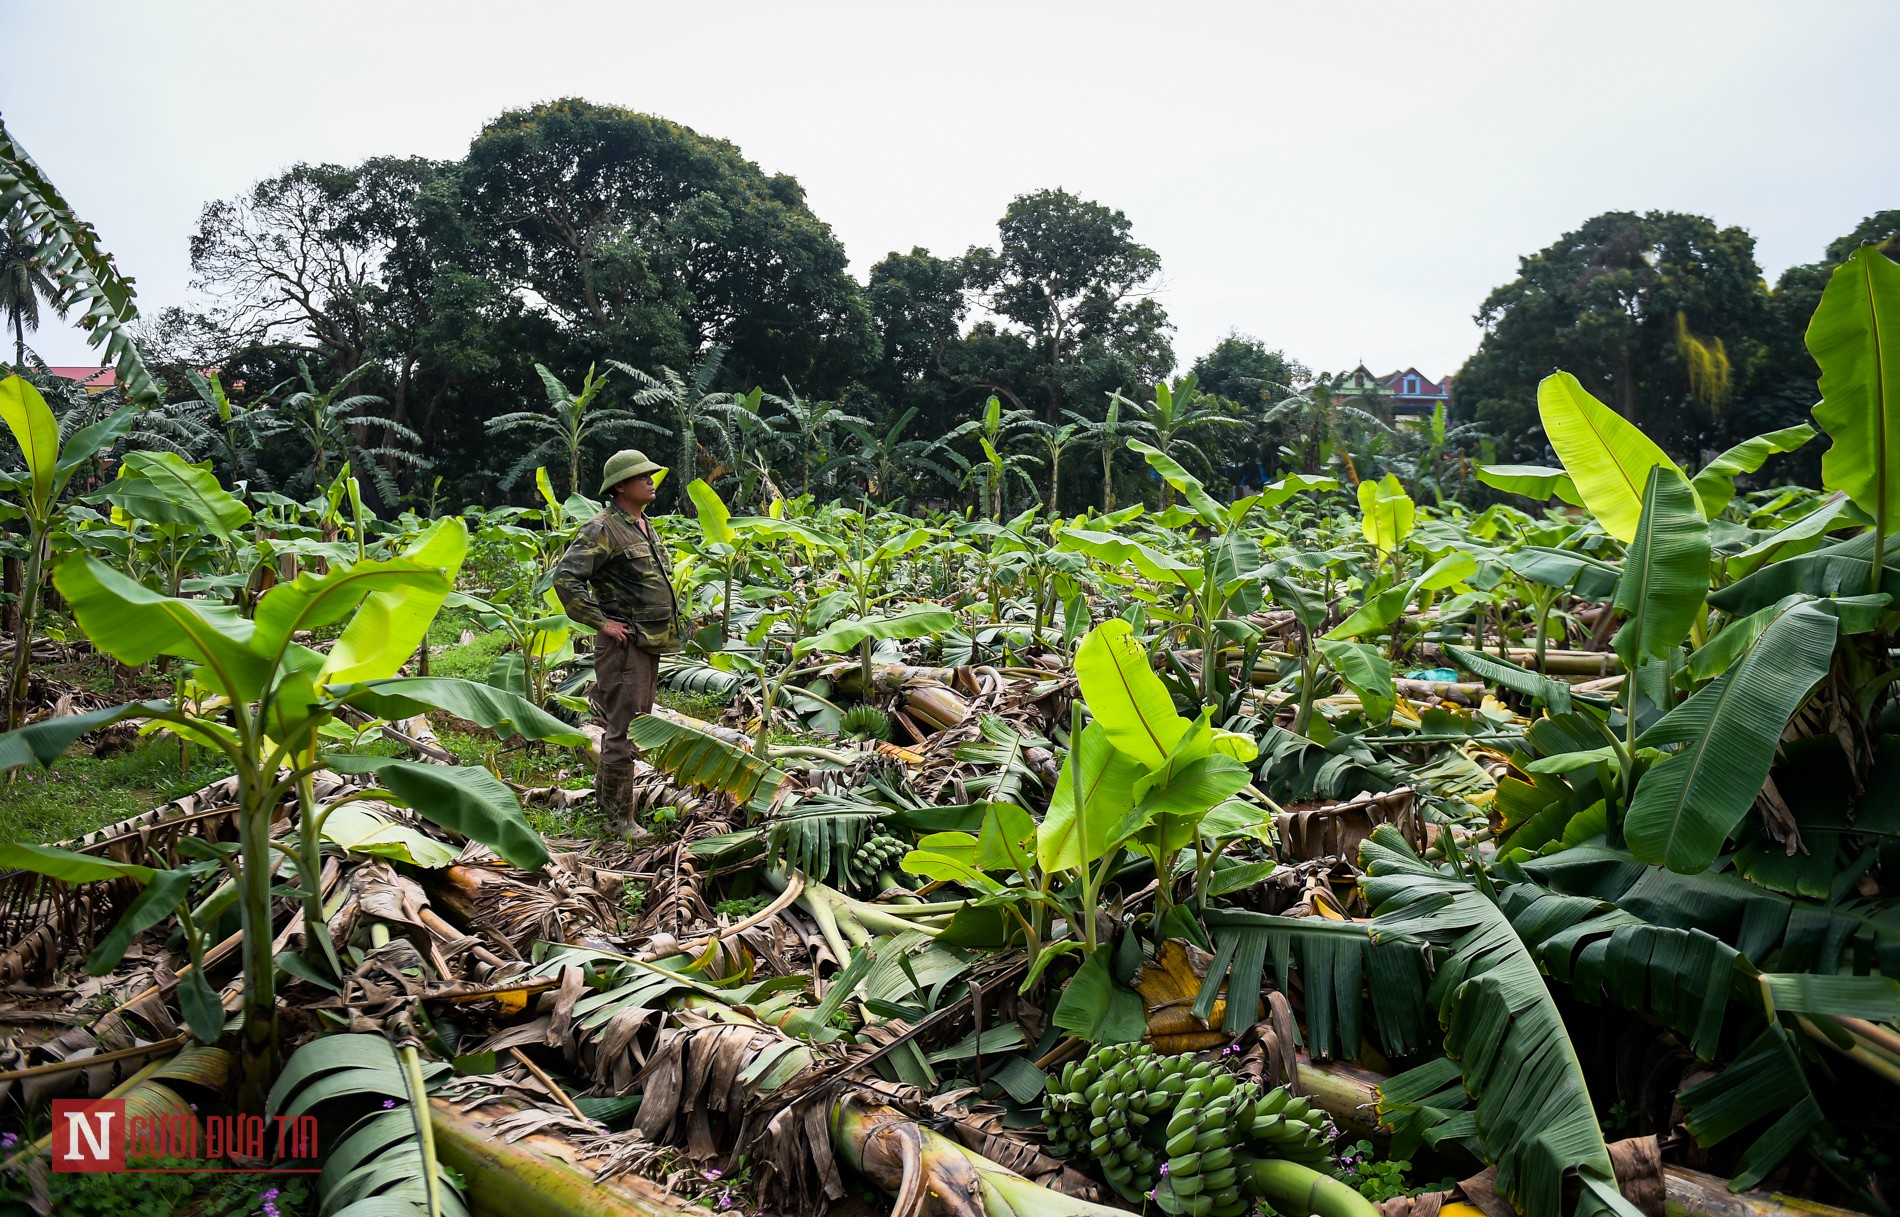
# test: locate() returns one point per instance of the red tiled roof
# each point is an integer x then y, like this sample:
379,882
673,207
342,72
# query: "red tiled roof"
92,378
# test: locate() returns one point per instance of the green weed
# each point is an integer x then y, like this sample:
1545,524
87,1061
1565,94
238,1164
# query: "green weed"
82,793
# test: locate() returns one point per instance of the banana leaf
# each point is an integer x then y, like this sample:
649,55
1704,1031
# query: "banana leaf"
87,287
47,740
698,760
1840,569
165,488
462,798
1665,572
1855,338
37,432
1534,1115
1715,481
484,705
1687,803
1586,577
1606,455
1538,482
911,623
386,1164
1368,673
1773,931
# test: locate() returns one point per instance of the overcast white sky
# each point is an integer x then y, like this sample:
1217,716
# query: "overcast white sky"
1343,180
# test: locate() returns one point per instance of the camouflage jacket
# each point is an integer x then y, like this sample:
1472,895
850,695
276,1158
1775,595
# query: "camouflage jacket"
616,570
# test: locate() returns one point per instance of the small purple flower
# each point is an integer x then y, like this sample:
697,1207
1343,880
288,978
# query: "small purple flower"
1164,1170
272,1194
725,1200
9,1140
388,1103
1151,1193
711,1176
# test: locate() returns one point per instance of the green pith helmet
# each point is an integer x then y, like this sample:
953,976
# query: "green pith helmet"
624,464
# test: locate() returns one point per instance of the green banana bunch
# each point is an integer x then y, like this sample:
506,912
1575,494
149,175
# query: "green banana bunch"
1292,1128
880,852
1176,1125
1107,1105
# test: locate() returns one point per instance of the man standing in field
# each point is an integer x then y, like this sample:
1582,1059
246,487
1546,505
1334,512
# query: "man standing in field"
617,578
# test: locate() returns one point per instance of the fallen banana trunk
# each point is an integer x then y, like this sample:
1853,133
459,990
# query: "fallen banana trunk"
1462,693
935,706
933,1176
538,1176
1296,1189
1556,663
1568,663
886,678
1351,1095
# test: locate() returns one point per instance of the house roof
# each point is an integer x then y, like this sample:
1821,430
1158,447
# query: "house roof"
1427,387
94,379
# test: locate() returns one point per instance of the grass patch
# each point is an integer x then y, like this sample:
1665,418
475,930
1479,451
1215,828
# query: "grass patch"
82,793
469,660
706,707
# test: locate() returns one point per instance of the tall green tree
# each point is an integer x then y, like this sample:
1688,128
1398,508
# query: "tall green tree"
1252,378
1662,315
1069,281
23,281
646,241
919,307
1246,371
339,266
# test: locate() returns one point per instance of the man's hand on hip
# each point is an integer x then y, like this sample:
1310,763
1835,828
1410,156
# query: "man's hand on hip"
615,630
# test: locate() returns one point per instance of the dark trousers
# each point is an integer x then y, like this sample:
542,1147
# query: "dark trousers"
624,680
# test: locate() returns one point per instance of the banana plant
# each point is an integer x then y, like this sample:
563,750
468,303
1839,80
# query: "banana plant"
186,514
267,701
39,491
1139,780
1177,411
572,421
1017,557
862,566
1386,519
1685,774
538,643
994,430
730,546
1606,460
1221,577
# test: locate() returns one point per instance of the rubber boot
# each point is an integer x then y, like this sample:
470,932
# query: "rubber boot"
613,795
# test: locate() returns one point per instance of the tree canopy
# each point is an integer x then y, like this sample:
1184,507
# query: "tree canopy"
720,312
639,239
1662,315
